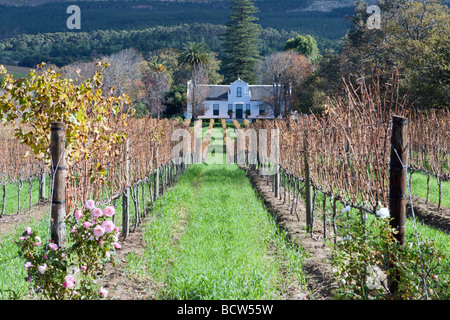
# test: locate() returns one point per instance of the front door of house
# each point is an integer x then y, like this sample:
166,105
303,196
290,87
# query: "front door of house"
239,111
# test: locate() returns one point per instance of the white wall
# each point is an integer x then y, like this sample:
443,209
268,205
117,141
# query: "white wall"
234,100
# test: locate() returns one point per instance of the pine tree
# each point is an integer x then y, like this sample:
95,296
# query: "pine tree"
241,43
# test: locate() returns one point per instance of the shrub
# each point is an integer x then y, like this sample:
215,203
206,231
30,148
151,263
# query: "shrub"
368,254
71,273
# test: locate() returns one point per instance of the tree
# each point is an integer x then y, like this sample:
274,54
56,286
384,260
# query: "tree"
286,72
196,56
123,73
176,100
413,38
156,82
326,81
417,33
241,43
92,120
306,45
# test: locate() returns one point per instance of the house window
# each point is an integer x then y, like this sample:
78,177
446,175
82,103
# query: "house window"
230,107
239,92
262,109
247,109
215,110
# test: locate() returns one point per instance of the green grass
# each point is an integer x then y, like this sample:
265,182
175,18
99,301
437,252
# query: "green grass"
211,238
12,271
419,189
11,201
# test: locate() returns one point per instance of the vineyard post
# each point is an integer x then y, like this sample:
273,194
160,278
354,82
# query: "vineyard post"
163,179
126,194
58,207
397,187
42,186
308,193
157,175
277,181
324,213
4,200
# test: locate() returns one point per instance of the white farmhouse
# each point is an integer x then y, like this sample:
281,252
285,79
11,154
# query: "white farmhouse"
239,98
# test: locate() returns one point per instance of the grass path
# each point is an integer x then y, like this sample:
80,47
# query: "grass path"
210,237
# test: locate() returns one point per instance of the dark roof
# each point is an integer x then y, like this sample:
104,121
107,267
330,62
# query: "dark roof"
220,92
217,92
260,91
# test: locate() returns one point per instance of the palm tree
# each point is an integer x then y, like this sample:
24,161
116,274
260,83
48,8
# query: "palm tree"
195,55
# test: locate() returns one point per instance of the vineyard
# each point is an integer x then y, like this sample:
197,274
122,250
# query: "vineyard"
341,174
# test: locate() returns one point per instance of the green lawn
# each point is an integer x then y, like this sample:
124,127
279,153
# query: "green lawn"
11,201
419,189
12,271
211,238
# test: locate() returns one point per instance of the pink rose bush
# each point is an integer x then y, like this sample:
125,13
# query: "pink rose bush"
71,272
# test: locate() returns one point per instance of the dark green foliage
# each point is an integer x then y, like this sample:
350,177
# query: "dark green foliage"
135,15
176,100
306,45
241,43
66,47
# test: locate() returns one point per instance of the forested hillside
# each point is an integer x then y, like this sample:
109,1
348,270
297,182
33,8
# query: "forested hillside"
62,48
119,15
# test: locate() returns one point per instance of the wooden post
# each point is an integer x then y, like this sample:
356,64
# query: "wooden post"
324,211
126,195
4,201
397,187
42,186
157,183
334,213
277,181
308,193
58,209
157,174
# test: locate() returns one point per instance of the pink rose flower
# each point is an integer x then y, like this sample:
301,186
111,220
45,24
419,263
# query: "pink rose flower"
108,226
69,281
103,292
38,241
42,268
83,268
23,238
107,254
99,231
86,224
28,265
78,214
117,245
53,246
73,229
90,204
97,212
28,231
109,211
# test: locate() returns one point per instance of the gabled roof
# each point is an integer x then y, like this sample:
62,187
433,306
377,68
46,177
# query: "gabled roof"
220,92
217,92
259,92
